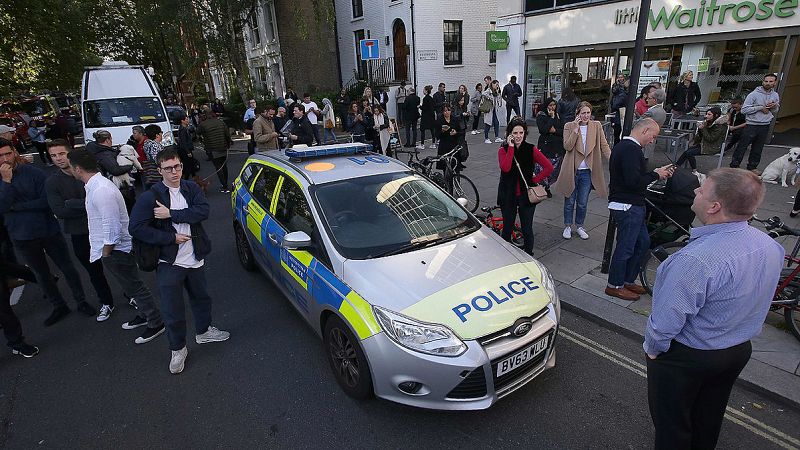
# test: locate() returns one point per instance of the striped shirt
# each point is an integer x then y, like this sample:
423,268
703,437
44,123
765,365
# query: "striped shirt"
715,292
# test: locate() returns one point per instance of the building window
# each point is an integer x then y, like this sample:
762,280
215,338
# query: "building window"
452,42
255,36
492,53
360,65
358,8
269,25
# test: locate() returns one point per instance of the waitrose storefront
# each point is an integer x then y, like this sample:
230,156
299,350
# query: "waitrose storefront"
729,46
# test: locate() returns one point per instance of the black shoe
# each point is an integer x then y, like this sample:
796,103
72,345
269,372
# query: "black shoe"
135,323
149,334
87,309
58,313
28,351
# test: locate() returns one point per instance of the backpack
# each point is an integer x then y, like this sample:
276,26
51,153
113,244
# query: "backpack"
146,255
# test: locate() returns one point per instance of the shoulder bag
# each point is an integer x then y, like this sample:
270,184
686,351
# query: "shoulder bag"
146,255
537,193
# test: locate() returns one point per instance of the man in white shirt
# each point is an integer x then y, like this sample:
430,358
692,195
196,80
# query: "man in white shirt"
109,239
311,112
251,111
170,216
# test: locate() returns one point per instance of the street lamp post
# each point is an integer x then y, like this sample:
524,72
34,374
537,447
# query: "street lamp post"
638,56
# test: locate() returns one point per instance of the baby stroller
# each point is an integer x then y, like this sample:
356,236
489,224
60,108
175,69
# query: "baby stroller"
669,218
669,207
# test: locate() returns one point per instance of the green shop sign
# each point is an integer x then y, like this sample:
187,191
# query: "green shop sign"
498,40
709,13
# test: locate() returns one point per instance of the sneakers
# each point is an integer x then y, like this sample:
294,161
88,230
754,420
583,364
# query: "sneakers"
212,335
421,147
87,309
25,350
473,132
178,360
498,139
132,303
487,141
582,233
105,313
135,323
58,313
434,146
150,334
567,234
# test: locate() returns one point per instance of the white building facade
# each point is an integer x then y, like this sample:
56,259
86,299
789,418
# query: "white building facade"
423,42
263,50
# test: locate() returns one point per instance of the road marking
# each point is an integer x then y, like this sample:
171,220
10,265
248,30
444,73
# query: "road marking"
755,426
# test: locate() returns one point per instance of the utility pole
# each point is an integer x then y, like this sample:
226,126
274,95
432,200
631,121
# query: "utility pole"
638,56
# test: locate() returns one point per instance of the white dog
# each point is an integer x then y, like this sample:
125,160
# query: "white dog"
127,156
781,167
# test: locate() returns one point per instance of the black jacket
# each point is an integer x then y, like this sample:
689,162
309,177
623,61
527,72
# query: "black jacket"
447,141
428,117
511,93
107,159
683,95
146,228
507,188
551,144
356,127
67,199
411,107
302,128
629,174
439,99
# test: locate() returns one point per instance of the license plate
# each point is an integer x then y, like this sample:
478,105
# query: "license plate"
520,358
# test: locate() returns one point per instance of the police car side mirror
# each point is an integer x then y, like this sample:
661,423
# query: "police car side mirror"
296,240
462,201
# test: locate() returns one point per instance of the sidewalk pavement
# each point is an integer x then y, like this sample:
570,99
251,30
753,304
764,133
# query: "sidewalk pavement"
774,367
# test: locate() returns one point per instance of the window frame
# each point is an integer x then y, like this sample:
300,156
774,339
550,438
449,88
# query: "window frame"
269,23
265,205
452,41
357,4
255,36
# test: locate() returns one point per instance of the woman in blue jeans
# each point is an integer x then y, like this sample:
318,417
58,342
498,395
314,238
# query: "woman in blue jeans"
582,167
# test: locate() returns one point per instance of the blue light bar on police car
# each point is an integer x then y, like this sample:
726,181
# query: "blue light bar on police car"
327,150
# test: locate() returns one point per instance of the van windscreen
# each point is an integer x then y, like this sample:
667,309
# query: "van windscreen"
122,111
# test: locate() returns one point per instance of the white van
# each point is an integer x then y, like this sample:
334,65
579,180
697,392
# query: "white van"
117,96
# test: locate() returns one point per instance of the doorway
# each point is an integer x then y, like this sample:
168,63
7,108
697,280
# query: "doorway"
400,51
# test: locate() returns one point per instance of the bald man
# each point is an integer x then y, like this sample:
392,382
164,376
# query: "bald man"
710,299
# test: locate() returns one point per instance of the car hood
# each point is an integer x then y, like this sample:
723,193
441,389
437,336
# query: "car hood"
476,285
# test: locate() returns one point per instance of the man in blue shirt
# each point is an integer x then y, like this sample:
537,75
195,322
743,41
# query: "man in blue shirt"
35,232
710,299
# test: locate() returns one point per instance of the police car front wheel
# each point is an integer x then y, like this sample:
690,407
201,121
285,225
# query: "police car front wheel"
347,359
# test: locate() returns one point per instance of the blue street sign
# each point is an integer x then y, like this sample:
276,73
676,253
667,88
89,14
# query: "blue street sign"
369,49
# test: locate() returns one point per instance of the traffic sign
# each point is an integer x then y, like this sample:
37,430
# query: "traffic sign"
369,49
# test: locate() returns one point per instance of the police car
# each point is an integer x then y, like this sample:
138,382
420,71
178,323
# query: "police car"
416,301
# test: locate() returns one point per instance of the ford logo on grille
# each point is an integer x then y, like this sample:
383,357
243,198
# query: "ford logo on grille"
522,328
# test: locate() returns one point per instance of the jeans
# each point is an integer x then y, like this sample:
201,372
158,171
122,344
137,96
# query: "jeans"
81,248
327,133
6,246
526,210
495,123
509,109
171,282
755,136
633,242
222,171
689,155
315,128
580,195
475,121
688,391
123,267
433,135
411,129
32,254
733,139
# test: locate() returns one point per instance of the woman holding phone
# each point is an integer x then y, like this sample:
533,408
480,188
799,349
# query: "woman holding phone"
582,167
449,130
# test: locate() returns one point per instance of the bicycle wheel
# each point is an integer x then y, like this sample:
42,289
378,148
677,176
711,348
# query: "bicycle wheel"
464,187
517,238
791,313
654,258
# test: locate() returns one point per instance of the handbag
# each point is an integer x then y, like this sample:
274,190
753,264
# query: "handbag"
536,193
486,105
329,124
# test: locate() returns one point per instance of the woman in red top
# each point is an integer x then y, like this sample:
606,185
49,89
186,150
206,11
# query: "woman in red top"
641,106
518,159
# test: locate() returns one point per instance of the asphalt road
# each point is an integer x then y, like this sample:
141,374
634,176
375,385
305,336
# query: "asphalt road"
270,386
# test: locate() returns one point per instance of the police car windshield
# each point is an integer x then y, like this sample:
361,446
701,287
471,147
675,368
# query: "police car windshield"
383,214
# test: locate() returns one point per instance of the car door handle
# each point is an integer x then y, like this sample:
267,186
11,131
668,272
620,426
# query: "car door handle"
246,209
273,238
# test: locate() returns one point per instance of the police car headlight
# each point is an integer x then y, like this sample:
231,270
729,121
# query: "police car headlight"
167,138
550,286
419,336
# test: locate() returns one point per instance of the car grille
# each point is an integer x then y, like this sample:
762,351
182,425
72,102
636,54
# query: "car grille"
507,379
473,386
506,332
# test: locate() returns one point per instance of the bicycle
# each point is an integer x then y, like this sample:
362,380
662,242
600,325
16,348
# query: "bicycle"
450,178
496,224
787,294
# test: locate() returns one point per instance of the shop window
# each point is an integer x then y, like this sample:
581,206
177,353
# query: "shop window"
538,5
542,81
452,42
358,9
590,77
569,2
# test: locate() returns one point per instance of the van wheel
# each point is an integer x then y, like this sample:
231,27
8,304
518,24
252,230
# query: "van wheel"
243,249
347,359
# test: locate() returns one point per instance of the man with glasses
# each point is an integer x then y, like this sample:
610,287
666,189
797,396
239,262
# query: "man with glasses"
251,111
109,239
35,232
171,216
